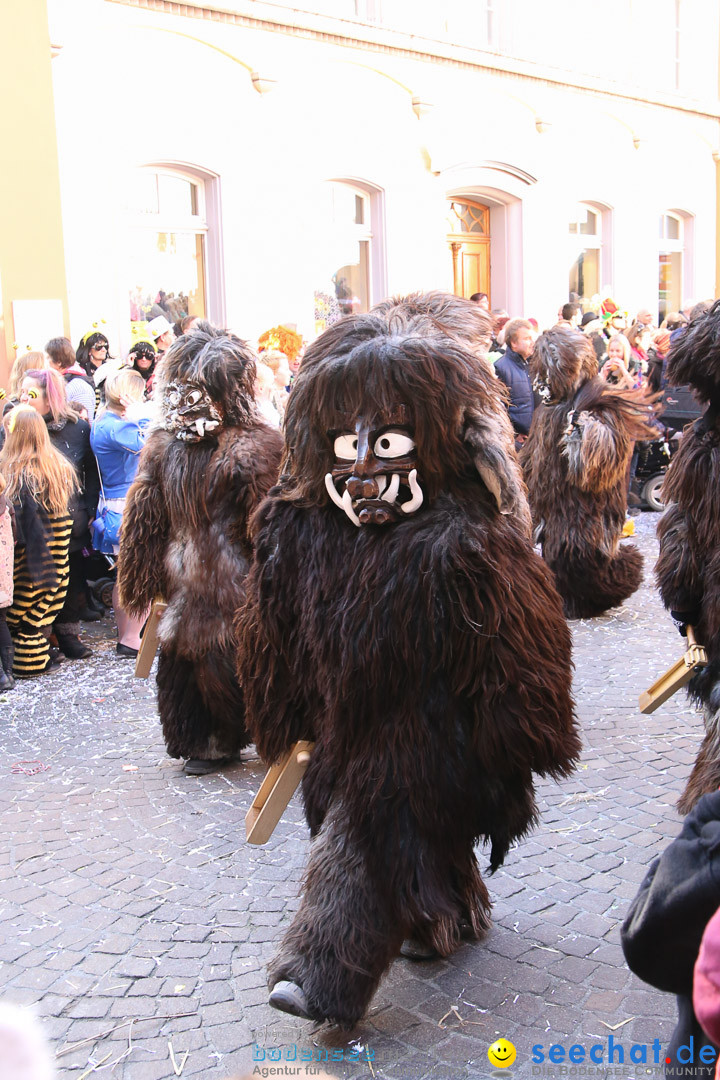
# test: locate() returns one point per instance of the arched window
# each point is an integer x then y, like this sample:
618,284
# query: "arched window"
670,263
166,250
586,228
351,277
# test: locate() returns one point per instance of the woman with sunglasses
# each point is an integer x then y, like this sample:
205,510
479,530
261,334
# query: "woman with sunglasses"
93,353
143,359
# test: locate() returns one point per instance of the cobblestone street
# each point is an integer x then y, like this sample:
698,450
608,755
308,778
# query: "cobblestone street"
138,923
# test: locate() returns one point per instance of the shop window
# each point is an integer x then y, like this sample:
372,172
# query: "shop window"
350,266
166,246
586,243
670,264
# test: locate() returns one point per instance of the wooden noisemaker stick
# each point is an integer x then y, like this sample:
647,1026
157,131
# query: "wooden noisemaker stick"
149,644
276,791
676,677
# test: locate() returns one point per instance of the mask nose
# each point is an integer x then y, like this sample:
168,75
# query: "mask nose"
361,488
361,483
363,456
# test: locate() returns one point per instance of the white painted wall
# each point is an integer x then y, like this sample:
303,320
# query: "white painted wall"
338,112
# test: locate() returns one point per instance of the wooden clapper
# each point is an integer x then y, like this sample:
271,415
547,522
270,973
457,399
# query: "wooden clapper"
276,791
676,677
149,643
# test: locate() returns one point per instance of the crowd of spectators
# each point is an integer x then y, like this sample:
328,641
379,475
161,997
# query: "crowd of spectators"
631,352
96,410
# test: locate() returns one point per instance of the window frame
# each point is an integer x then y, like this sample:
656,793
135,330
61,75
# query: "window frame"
372,231
683,246
207,223
600,241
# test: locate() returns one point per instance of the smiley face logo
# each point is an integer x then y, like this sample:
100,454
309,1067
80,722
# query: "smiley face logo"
501,1054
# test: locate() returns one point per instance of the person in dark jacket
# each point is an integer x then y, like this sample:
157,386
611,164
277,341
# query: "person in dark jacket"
512,369
662,932
45,392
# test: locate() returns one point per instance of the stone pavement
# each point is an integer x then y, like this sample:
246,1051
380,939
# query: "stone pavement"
137,922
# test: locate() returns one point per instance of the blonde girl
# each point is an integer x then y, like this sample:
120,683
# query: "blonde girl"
616,368
39,484
21,364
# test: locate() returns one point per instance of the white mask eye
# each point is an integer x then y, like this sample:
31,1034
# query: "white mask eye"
174,398
393,444
345,447
194,397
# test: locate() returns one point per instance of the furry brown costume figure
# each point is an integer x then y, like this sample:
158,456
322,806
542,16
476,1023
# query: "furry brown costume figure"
688,570
399,618
185,536
575,462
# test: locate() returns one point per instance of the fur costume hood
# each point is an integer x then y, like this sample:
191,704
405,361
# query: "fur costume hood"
563,361
400,356
440,315
694,357
206,382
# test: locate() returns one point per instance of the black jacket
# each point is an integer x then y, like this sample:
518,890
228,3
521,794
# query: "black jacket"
73,442
513,371
662,932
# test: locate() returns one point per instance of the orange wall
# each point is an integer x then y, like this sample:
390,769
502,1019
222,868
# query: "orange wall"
32,258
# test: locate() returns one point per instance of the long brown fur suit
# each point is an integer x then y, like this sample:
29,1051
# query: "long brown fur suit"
426,656
185,538
576,462
688,569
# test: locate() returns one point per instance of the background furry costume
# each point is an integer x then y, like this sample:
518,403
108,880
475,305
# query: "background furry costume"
399,617
688,570
575,463
185,535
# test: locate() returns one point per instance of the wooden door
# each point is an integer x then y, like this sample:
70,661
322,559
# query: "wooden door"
470,247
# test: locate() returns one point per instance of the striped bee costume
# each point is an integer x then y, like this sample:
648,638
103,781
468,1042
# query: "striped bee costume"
40,582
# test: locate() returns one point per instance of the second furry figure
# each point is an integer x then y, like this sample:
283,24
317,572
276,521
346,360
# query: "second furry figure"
398,616
576,463
688,570
185,537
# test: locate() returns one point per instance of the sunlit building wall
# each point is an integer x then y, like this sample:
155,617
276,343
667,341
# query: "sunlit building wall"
274,162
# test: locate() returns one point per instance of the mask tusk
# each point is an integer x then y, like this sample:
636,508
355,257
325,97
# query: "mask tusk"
391,493
348,508
381,482
200,427
345,503
417,495
332,491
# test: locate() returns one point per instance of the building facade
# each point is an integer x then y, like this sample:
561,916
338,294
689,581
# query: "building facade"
260,163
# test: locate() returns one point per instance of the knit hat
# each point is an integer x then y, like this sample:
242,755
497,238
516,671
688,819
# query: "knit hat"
661,342
159,326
